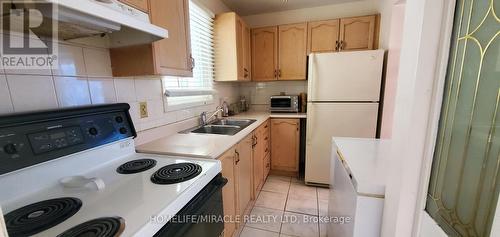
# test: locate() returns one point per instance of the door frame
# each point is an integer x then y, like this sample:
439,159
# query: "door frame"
424,57
424,225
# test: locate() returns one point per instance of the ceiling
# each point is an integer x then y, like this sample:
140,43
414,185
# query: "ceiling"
251,7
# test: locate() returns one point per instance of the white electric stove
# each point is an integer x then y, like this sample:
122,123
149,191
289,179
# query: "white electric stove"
76,173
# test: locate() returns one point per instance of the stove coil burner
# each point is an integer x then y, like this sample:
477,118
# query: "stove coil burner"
40,216
100,227
176,173
136,166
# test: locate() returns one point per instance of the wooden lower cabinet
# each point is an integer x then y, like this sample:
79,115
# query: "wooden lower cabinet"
229,191
260,152
243,169
285,139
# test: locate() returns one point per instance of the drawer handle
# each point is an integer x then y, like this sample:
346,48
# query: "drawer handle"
267,138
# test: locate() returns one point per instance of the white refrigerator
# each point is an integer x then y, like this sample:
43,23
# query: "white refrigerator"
343,101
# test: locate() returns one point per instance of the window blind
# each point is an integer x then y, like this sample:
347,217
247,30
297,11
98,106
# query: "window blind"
185,92
202,47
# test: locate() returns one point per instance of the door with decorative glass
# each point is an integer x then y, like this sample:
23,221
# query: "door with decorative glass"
464,184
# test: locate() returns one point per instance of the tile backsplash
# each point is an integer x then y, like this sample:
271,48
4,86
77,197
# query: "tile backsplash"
259,92
84,77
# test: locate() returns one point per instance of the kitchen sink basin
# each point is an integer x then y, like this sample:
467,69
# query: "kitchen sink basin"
222,127
218,129
235,122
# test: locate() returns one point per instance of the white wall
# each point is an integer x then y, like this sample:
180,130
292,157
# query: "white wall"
333,11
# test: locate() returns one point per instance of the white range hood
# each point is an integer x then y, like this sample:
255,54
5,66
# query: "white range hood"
125,25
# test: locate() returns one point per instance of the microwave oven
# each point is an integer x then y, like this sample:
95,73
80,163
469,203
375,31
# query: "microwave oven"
285,103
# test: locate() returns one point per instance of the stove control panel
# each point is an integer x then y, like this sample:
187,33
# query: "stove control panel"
33,141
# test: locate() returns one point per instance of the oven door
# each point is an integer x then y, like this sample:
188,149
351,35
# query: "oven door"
206,205
281,104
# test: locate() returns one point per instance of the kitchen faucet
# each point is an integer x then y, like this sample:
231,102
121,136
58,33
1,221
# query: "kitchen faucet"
203,117
223,108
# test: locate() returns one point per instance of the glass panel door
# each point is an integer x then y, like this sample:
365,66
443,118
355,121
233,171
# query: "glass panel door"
464,185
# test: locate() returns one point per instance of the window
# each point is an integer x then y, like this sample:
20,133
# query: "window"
188,92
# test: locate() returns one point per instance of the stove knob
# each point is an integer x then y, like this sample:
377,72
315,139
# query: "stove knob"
93,131
123,130
10,149
119,119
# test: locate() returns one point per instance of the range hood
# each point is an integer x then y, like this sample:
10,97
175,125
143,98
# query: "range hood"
75,19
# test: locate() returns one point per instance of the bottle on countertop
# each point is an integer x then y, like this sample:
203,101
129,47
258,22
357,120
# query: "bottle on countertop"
225,109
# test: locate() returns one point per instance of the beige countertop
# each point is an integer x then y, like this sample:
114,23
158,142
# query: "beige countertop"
208,145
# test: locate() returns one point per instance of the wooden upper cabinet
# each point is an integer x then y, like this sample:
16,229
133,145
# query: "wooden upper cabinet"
247,52
138,4
231,45
285,138
292,52
170,56
358,33
265,53
173,55
323,36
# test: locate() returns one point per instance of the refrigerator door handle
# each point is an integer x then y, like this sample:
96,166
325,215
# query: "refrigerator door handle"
312,63
310,123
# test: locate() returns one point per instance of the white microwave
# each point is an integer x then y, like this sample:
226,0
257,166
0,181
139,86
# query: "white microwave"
285,103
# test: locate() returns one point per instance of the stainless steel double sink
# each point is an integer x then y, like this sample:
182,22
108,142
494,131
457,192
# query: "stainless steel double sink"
222,127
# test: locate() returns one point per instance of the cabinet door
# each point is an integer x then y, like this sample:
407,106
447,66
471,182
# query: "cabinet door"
264,53
138,4
247,53
267,166
244,173
239,48
357,33
323,36
228,191
292,52
172,55
285,144
258,162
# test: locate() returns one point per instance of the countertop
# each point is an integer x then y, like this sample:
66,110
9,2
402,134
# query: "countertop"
209,146
367,160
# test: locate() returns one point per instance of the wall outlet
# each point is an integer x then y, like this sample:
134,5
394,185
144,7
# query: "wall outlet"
143,109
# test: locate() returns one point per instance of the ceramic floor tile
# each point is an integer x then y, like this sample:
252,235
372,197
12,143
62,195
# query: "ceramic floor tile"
323,193
297,189
296,180
282,178
265,219
251,232
271,200
323,207
300,225
300,204
276,185
323,229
